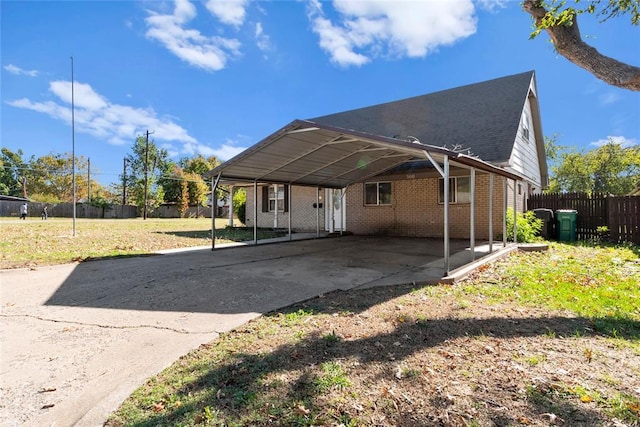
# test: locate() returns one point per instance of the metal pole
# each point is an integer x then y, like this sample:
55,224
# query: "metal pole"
504,210
255,212
490,213
230,213
289,203
472,207
146,177
275,211
213,215
73,150
317,212
446,215
214,201
515,212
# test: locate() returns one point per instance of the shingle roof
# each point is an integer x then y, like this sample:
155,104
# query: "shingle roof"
483,117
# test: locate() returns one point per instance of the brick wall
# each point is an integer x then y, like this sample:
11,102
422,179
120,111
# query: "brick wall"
303,214
415,210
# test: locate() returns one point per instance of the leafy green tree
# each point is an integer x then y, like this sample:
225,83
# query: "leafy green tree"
12,169
153,160
183,201
195,168
561,24
51,177
611,168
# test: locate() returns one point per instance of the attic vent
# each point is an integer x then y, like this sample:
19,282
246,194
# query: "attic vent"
414,139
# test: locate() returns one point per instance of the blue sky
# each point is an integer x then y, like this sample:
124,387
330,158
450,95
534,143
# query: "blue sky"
215,77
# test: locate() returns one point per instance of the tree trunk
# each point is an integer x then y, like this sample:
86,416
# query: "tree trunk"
568,43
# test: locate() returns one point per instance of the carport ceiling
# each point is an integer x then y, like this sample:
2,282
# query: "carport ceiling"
310,154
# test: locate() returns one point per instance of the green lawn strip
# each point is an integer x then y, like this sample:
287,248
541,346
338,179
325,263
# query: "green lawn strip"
35,242
555,397
599,283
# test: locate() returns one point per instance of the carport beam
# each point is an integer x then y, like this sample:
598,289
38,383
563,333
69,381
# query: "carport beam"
289,203
515,212
472,207
446,215
317,212
214,186
490,213
504,211
255,212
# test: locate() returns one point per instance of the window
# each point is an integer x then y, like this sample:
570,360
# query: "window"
270,196
377,193
276,198
459,190
525,126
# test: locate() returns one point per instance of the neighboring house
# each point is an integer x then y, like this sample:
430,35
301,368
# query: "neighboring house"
385,169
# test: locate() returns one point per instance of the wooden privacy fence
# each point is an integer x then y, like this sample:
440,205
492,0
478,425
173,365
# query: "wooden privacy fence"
621,214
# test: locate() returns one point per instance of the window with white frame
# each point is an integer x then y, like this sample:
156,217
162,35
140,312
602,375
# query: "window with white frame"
276,198
525,126
459,189
377,193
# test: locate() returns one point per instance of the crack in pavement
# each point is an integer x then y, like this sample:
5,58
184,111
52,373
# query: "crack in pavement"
97,325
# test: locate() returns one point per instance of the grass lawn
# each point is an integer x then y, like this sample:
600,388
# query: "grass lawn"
35,242
536,339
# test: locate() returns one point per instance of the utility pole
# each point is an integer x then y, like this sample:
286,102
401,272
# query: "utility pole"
124,182
89,180
146,174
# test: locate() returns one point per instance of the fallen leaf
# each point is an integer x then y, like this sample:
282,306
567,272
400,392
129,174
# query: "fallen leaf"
586,398
301,410
47,390
50,405
158,407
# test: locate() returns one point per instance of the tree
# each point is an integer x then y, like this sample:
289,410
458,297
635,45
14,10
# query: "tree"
611,168
562,26
50,177
150,162
12,170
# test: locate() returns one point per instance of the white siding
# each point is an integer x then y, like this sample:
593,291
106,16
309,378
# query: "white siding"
524,157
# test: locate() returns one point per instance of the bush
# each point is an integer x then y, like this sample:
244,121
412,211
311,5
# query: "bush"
529,226
240,204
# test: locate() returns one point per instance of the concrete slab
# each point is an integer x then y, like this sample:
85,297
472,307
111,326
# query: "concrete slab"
77,339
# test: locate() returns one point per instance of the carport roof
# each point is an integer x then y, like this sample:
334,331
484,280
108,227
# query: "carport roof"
309,153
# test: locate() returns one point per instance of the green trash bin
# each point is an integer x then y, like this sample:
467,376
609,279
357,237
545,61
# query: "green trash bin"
566,220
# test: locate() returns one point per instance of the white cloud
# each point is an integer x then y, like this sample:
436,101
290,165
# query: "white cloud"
19,71
96,116
492,5
609,98
230,12
227,150
370,29
621,140
262,40
208,53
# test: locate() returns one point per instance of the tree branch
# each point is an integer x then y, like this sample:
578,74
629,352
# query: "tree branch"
568,43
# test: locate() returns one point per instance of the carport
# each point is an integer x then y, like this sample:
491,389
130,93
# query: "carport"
306,153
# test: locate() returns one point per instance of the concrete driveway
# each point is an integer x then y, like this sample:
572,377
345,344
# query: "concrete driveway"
77,339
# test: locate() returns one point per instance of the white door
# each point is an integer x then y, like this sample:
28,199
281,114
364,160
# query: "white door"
334,214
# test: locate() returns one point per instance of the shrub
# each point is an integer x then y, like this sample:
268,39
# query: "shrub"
240,204
528,226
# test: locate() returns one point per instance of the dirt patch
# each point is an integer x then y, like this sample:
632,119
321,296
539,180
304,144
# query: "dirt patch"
434,356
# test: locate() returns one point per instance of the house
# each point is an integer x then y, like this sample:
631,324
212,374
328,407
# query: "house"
435,165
